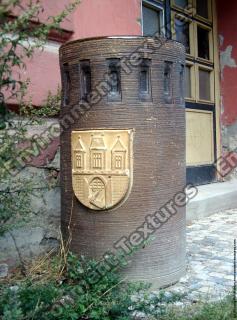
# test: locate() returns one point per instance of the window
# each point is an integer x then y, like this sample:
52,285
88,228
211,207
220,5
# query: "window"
203,42
193,28
85,80
97,161
66,80
193,25
182,32
188,85
118,162
168,82
181,83
145,81
78,161
202,7
181,3
152,18
97,185
115,79
189,82
205,84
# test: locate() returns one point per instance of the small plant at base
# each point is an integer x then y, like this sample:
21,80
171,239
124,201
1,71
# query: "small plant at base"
72,297
50,294
50,107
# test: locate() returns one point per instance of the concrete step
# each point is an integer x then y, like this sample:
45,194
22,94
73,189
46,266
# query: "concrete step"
212,198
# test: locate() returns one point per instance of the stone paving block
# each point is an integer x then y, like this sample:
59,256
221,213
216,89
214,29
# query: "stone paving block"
210,252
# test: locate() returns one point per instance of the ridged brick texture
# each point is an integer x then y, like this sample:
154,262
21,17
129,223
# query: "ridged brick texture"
158,150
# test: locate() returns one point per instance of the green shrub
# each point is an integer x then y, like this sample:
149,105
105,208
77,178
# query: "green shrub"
57,288
221,310
19,40
71,297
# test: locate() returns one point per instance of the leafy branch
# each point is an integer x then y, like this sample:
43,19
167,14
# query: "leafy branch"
21,34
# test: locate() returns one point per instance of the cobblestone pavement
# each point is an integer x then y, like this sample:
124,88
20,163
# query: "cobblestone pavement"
210,251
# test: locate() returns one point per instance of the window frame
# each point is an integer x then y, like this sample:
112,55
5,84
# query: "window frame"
210,10
118,160
193,82
212,84
191,31
157,6
210,36
78,159
192,10
178,8
97,158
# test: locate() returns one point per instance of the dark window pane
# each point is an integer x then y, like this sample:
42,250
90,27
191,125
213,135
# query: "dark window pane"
181,3
188,92
145,85
168,82
144,81
204,84
151,21
66,79
115,79
115,76
202,8
182,33
85,78
203,43
181,83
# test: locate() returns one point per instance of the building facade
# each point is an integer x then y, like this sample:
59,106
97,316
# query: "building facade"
207,30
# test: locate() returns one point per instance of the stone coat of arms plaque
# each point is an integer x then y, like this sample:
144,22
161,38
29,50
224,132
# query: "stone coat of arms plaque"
102,165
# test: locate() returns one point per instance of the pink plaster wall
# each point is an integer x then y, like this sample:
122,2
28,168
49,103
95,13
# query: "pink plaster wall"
51,8
227,28
43,72
95,18
91,18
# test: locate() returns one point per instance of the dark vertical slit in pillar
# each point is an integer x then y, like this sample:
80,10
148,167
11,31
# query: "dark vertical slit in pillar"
168,29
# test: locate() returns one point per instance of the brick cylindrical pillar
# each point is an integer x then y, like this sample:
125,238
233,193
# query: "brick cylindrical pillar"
123,152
